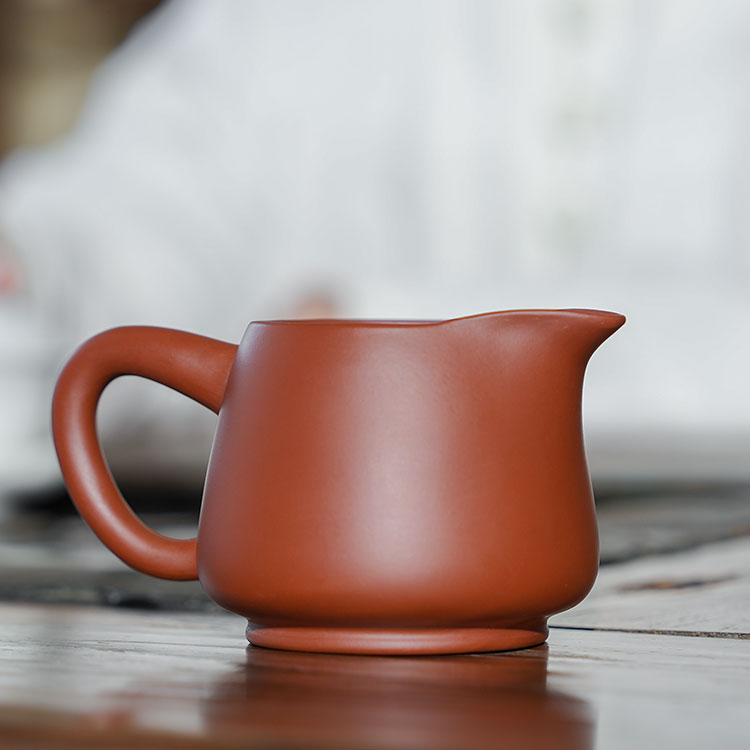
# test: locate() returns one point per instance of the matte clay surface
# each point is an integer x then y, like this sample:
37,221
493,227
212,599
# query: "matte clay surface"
374,487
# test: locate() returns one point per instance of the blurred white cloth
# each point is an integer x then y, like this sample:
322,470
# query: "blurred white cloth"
420,159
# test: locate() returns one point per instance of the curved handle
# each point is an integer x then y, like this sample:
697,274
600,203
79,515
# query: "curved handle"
193,365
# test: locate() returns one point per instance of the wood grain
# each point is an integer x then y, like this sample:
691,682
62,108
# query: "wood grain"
703,590
92,677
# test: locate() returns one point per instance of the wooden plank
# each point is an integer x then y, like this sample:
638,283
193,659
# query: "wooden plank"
636,522
91,677
703,590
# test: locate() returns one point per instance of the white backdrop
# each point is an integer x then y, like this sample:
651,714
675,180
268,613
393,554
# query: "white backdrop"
420,159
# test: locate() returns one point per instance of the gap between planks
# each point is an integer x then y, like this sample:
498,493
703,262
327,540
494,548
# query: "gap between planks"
646,631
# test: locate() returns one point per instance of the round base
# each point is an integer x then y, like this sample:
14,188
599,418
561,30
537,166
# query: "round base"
395,642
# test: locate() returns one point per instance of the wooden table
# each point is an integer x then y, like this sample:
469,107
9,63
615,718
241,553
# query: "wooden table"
91,677
657,657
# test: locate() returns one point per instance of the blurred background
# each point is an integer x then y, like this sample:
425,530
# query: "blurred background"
199,165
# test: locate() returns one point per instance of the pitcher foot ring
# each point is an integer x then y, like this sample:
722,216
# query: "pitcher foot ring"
394,641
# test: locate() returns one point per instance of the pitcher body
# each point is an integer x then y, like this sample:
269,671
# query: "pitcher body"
402,487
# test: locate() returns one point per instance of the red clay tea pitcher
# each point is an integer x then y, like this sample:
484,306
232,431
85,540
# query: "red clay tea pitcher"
375,487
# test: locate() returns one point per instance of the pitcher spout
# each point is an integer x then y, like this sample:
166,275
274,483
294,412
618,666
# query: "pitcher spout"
567,333
593,327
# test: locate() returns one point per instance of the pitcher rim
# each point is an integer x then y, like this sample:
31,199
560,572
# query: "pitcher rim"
604,315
